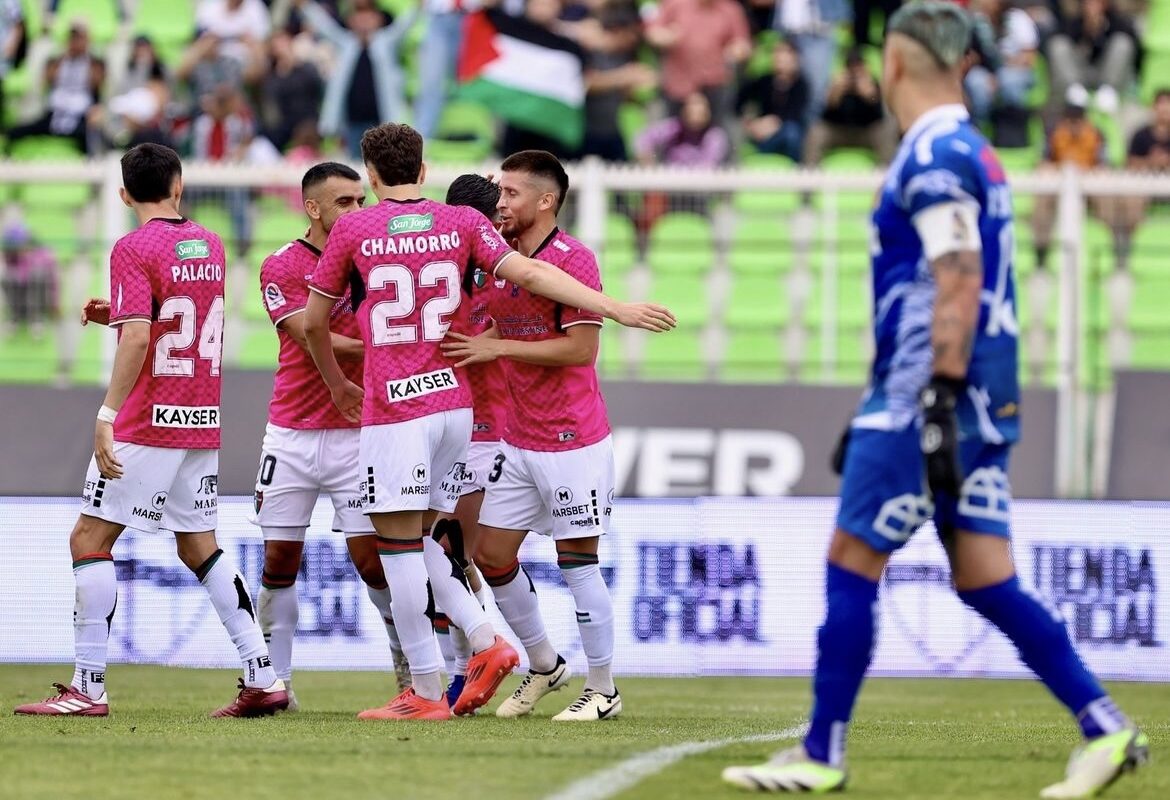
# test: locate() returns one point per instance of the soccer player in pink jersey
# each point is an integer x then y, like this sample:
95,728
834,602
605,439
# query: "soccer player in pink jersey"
413,259
489,399
156,443
309,447
554,472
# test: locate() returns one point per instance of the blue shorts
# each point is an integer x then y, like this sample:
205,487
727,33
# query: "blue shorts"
884,498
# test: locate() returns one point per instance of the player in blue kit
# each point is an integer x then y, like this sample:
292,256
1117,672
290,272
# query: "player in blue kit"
933,432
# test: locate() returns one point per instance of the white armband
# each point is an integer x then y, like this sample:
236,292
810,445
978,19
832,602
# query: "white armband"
107,414
948,228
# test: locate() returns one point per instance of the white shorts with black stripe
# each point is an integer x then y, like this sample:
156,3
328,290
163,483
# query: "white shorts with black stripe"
566,495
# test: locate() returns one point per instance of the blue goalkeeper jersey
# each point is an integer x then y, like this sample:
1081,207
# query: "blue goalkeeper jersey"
943,159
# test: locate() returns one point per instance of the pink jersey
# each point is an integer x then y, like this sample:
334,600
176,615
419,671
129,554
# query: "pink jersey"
411,264
300,399
489,382
551,408
170,272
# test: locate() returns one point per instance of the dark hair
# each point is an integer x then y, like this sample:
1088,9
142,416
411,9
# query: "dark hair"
541,164
149,171
319,173
1161,94
395,153
475,191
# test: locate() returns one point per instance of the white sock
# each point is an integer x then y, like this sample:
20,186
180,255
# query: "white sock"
278,613
595,621
456,600
93,612
446,646
381,600
229,596
406,573
518,605
462,651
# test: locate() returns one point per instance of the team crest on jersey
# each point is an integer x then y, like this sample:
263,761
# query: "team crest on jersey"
209,484
192,248
273,297
480,278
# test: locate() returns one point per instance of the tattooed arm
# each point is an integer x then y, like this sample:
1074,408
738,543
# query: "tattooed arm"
959,278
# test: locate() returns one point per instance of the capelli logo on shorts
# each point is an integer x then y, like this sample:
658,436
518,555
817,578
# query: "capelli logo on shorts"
185,416
419,385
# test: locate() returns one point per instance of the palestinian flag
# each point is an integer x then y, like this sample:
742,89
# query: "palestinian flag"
525,74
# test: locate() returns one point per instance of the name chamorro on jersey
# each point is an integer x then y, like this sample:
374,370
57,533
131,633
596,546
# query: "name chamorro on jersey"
410,265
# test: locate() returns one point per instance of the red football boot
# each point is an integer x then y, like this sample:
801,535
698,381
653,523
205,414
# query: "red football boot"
253,702
67,701
485,672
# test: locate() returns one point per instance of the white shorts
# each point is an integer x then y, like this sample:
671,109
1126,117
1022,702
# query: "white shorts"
161,488
412,465
296,466
568,494
480,457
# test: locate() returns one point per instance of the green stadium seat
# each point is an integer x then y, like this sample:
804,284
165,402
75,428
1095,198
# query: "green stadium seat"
851,360
753,356
54,195
465,134
761,246
1150,311
1151,247
1155,69
101,15
46,228
612,359
756,302
681,243
851,160
1151,350
766,202
25,359
852,303
632,120
677,355
170,23
685,295
1099,251
619,253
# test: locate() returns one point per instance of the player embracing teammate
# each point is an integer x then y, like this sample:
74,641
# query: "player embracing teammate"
554,471
409,262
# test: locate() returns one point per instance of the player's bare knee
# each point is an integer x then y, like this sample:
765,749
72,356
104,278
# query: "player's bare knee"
282,558
369,567
92,535
195,548
855,555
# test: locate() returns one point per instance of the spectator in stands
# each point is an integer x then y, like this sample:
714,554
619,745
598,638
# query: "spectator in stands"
702,42
863,10
438,55
206,66
76,80
30,279
138,112
240,26
11,39
811,25
1096,50
999,91
853,116
689,139
1075,140
612,72
367,85
292,91
1149,149
144,66
778,105
224,133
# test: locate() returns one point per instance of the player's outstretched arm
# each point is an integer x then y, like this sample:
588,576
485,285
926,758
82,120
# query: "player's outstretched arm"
133,345
347,395
577,348
344,348
542,278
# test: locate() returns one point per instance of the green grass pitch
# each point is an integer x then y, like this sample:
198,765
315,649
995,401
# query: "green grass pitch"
983,740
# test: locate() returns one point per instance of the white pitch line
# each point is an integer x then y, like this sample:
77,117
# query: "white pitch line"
614,780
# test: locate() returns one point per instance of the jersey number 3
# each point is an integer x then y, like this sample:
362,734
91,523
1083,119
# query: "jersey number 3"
210,337
433,323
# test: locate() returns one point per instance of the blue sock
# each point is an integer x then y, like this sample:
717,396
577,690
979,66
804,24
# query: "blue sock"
844,649
1042,641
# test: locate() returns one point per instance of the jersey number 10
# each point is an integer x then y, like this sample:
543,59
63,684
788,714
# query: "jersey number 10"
434,310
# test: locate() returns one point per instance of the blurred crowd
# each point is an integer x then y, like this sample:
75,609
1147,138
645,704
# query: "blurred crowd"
677,82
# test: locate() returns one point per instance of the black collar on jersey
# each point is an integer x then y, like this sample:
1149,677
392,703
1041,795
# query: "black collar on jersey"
547,241
169,220
404,202
312,248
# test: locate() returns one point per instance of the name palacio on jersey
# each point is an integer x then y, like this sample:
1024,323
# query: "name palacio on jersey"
400,245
